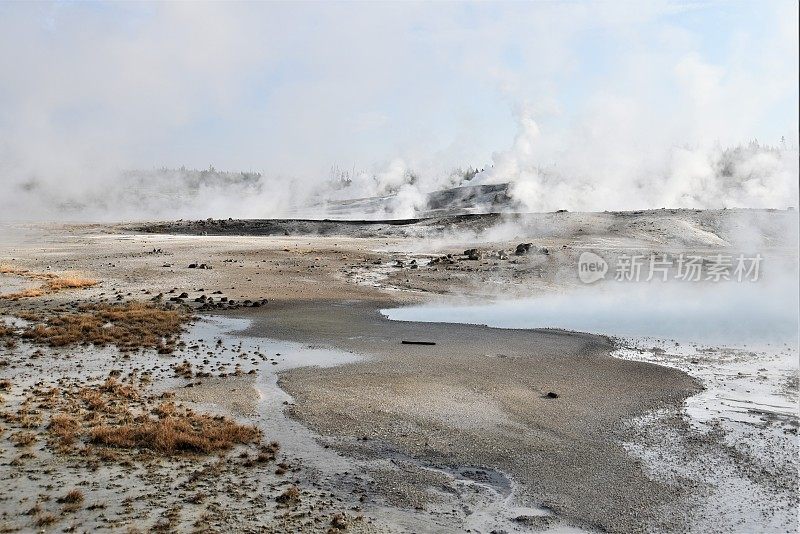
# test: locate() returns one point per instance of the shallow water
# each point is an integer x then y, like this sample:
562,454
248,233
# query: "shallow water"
732,314
286,355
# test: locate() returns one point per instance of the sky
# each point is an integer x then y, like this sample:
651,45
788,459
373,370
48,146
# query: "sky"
289,89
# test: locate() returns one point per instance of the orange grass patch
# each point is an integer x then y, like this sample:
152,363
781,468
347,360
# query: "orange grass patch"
118,415
51,282
186,432
128,326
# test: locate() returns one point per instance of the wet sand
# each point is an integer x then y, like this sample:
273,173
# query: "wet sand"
479,398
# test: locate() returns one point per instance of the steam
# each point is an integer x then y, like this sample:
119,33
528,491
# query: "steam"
101,109
702,177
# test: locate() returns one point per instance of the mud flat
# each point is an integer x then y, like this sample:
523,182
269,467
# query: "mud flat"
479,398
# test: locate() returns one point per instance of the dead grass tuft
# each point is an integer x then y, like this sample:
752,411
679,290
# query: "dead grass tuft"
74,496
65,428
69,282
23,439
102,421
289,497
116,414
45,520
51,282
174,434
128,326
5,268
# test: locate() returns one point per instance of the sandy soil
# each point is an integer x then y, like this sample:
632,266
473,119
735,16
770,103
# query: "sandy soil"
411,438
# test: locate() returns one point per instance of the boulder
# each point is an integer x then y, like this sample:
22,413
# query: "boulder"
523,248
472,254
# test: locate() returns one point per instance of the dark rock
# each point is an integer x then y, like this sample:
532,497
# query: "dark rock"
472,254
551,395
522,249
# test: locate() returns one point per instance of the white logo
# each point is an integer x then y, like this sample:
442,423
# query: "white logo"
591,267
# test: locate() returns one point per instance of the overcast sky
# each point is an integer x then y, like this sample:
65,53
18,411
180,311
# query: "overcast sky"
292,88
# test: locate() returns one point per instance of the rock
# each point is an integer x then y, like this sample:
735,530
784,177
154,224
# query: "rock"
472,254
522,249
183,295
193,266
551,395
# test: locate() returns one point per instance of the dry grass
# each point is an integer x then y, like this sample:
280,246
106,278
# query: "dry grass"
128,326
74,496
188,432
23,439
65,428
69,282
51,282
24,417
289,497
117,415
45,520
24,294
102,422
10,269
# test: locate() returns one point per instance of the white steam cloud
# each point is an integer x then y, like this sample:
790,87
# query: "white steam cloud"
581,106
595,176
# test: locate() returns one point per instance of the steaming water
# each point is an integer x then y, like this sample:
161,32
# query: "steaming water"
732,314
